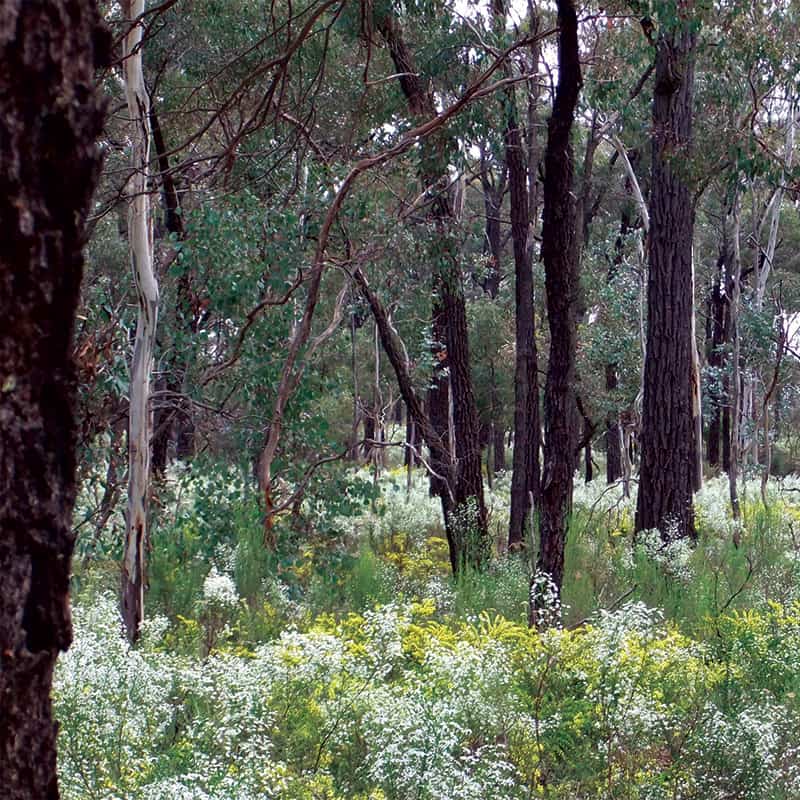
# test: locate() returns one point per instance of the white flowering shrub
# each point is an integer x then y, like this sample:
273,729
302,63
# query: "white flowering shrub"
673,555
749,755
399,509
420,750
350,665
400,703
114,705
219,591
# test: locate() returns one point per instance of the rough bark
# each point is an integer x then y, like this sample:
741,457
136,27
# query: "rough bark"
525,475
499,449
140,233
467,523
667,447
49,164
561,264
369,436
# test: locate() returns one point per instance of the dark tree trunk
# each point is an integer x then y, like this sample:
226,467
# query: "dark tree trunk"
493,246
588,465
726,426
173,416
667,445
719,327
561,264
468,523
714,435
585,444
173,220
413,439
51,118
525,476
163,419
369,435
715,336
460,552
585,209
463,501
499,449
613,430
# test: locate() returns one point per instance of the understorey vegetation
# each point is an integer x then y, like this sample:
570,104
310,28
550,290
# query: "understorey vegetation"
365,670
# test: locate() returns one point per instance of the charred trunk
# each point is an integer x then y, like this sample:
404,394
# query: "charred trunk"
499,450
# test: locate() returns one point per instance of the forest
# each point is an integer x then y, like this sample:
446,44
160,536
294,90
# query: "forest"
399,400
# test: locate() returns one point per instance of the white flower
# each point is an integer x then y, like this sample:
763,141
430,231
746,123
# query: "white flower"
219,590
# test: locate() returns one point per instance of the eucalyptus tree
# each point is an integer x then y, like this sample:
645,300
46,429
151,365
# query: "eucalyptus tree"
51,118
562,269
140,237
520,162
452,393
667,440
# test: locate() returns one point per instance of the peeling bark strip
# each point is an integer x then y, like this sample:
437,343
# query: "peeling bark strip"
561,266
51,117
140,236
668,448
